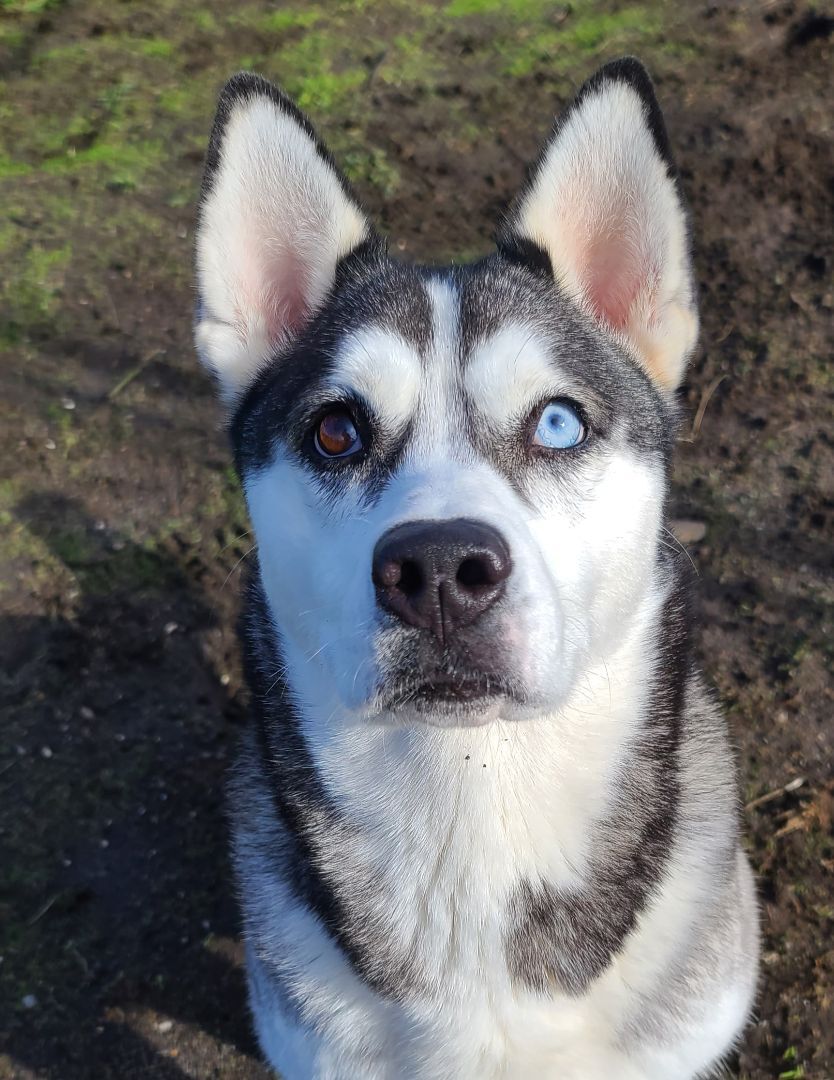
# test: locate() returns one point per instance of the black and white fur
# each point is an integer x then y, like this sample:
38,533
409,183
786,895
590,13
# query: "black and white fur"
540,876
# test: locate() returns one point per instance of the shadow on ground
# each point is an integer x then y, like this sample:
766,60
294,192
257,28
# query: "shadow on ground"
119,885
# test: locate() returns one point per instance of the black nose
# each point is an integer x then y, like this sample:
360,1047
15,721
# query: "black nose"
440,575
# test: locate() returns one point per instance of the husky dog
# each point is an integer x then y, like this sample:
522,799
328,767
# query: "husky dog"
485,820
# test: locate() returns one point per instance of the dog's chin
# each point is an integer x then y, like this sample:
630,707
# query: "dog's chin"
445,712
449,703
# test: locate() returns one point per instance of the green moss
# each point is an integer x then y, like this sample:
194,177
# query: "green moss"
120,165
328,90
224,501
532,34
28,7
413,59
29,298
176,100
316,72
99,570
205,22
10,168
273,22
518,9
371,169
556,47
11,36
156,47
590,31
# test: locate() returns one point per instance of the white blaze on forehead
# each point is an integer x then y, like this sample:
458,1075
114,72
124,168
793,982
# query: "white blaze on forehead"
382,368
436,422
445,306
509,373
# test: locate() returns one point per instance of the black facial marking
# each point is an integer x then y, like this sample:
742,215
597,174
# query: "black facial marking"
615,395
614,392
562,941
525,252
371,290
477,659
306,818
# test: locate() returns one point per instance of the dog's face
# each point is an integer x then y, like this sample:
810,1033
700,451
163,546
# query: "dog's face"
456,477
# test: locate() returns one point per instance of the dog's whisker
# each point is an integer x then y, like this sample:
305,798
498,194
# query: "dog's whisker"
677,544
237,564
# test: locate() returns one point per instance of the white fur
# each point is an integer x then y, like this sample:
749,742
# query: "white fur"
509,373
273,226
383,370
603,205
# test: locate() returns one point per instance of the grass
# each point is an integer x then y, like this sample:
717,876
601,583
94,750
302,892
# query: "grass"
29,298
143,90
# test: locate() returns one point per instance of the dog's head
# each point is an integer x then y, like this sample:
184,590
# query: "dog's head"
456,476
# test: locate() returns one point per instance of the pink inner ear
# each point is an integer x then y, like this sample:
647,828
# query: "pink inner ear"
288,285
275,285
613,279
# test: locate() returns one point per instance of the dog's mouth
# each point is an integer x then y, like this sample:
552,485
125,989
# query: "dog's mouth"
447,692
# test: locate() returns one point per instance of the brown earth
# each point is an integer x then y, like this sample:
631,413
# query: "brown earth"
123,526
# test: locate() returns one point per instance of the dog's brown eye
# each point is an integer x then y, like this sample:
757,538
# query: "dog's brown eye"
336,435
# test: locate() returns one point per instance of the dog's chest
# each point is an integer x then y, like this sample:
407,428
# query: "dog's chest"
470,1015
505,1037
444,856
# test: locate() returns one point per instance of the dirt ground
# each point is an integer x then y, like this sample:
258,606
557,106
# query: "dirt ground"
122,526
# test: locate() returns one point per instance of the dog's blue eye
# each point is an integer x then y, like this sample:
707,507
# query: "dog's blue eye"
560,427
336,435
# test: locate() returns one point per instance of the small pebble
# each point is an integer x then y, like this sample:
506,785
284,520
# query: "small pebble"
46,752
87,713
68,403
170,628
225,679
164,1026
29,1002
50,444
689,532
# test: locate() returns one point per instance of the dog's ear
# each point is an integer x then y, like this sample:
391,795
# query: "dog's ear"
276,217
603,211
